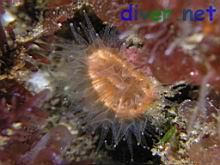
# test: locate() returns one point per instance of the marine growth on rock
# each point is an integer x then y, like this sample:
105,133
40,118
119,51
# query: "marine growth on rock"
81,82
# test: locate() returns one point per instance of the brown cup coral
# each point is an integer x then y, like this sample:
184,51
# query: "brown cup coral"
111,93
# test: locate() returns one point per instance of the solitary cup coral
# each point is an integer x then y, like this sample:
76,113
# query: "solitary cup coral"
108,91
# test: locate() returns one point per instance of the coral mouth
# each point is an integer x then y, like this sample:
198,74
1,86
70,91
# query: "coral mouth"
120,87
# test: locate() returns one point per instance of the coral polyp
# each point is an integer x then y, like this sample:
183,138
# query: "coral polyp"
109,94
